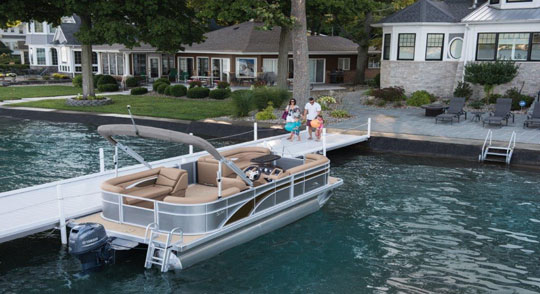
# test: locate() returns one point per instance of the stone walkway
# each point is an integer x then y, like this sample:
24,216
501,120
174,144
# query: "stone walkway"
413,121
7,102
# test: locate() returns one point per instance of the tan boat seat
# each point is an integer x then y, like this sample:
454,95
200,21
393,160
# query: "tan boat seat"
196,194
312,160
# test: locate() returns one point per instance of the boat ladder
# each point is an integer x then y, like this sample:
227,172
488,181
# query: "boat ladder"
497,153
157,253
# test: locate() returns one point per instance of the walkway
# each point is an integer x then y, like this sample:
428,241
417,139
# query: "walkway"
413,121
6,102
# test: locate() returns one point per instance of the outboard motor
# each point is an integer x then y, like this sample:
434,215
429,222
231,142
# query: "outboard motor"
90,244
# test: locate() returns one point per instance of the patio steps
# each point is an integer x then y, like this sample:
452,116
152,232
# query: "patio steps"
499,154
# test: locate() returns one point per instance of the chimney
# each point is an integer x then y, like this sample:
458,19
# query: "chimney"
475,3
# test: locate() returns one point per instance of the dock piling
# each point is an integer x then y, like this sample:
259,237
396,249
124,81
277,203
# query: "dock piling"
101,161
191,146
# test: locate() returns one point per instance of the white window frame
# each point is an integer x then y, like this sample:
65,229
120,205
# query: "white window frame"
345,66
274,64
198,64
237,68
180,64
450,48
44,56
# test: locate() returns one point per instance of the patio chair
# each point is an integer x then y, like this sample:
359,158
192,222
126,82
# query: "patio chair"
455,110
534,117
502,112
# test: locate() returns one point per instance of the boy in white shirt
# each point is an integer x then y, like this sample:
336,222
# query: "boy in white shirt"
311,110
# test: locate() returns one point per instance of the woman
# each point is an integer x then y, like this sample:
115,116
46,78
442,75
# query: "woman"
292,110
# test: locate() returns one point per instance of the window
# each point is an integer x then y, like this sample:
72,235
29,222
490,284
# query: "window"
374,61
493,1
202,66
78,61
535,46
246,67
54,56
94,58
40,54
406,46
344,63
512,1
63,54
111,63
38,27
105,63
52,29
78,57
290,67
120,64
434,46
386,47
513,46
486,47
139,64
456,46
167,63
270,65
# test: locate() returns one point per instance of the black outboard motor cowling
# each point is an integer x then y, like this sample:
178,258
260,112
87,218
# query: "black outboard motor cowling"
90,244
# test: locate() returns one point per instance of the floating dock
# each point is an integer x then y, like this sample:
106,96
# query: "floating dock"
38,208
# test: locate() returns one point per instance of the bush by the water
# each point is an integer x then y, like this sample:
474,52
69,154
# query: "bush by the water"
242,102
516,96
168,91
326,101
132,82
139,91
161,88
106,79
178,90
222,85
220,93
389,94
198,92
419,98
266,114
263,95
340,114
463,90
77,81
194,84
108,87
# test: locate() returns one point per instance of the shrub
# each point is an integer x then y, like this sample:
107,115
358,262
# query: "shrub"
242,102
46,78
463,90
59,76
263,95
198,92
163,80
516,96
377,81
220,93
96,78
340,114
267,113
490,74
325,102
132,82
106,79
389,94
161,88
155,85
77,81
178,90
492,98
381,103
419,98
477,104
167,91
194,84
223,85
108,87
139,91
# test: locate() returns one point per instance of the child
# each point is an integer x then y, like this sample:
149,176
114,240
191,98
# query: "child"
296,128
318,131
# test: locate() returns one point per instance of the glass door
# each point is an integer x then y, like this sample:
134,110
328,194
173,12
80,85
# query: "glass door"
154,67
316,70
220,69
185,68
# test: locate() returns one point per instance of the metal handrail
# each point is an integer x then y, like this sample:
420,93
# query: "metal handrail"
488,136
511,145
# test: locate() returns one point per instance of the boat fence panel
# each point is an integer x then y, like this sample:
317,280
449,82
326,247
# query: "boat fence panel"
282,195
137,215
182,209
111,211
190,167
190,224
266,203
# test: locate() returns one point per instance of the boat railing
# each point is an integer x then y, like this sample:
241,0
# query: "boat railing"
207,217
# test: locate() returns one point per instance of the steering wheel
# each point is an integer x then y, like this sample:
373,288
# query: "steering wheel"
253,172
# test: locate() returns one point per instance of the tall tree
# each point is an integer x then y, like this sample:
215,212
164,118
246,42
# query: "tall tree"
300,52
164,24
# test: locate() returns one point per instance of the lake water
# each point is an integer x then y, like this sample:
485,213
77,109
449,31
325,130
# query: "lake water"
397,225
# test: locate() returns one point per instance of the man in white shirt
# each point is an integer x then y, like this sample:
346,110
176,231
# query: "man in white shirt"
311,110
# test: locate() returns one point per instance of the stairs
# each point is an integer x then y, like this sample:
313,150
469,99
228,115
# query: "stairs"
502,154
157,253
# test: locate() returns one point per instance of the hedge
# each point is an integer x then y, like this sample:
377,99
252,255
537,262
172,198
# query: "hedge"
139,91
106,79
242,102
77,81
220,93
163,80
261,97
161,88
198,92
178,90
108,87
132,82
167,91
194,84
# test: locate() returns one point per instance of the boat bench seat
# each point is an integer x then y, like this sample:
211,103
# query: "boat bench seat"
156,184
312,160
207,166
197,194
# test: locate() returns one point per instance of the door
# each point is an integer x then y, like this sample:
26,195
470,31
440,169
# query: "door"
220,69
185,67
154,67
316,70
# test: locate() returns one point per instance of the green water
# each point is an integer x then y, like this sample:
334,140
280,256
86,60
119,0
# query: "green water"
397,225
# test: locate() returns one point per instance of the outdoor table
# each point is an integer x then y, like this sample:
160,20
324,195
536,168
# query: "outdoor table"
434,109
205,78
477,115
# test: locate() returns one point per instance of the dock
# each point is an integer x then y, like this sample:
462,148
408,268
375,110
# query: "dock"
39,208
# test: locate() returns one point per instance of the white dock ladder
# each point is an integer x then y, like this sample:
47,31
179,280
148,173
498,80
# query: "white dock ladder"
497,153
164,253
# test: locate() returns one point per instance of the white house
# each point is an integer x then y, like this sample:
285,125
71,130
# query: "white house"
426,45
14,38
39,36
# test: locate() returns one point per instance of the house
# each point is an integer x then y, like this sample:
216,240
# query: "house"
427,44
243,51
14,38
41,52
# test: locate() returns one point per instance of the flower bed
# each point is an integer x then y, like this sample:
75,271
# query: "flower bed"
88,102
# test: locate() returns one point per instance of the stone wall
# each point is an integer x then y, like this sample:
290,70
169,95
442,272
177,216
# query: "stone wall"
528,77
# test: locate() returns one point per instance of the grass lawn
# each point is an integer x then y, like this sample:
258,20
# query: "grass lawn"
178,108
9,93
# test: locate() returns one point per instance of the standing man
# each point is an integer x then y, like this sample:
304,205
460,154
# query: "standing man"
311,110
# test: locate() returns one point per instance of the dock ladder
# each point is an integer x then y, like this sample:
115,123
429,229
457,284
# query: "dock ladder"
497,153
156,252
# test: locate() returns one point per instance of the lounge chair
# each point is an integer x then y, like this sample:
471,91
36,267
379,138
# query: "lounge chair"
534,117
502,112
455,110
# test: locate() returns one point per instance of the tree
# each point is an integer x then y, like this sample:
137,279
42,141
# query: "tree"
164,24
300,52
490,74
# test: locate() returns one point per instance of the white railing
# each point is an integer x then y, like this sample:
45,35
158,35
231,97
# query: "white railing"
489,137
511,145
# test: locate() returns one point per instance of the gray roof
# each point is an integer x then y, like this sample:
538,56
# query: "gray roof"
488,14
69,30
247,37
433,11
